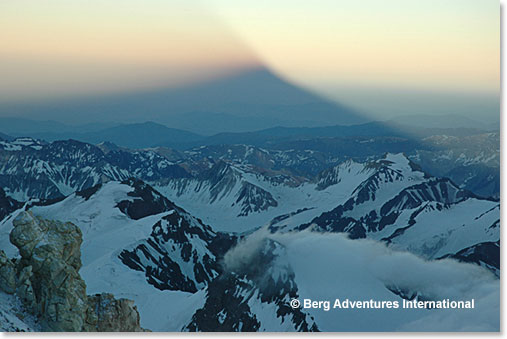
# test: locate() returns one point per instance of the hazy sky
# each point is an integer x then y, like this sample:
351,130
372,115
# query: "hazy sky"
59,47
421,44
71,47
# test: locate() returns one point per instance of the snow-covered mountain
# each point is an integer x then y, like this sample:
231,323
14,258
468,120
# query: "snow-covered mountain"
171,260
31,169
382,198
238,198
203,242
132,233
253,295
472,162
181,252
410,210
7,204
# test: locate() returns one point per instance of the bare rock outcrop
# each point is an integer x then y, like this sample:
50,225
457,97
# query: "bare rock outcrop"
46,279
107,314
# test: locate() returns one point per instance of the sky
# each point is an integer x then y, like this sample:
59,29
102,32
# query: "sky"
60,47
338,48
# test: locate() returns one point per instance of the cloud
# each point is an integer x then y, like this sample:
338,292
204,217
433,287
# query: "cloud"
330,265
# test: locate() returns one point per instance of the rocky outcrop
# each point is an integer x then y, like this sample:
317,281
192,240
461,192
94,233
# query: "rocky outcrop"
47,281
51,257
112,315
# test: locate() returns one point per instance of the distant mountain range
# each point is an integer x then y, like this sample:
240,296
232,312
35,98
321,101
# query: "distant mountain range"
150,134
252,99
5,136
35,168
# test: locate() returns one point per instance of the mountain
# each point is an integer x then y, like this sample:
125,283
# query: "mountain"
5,137
472,161
132,233
7,204
147,134
46,129
249,181
33,169
280,134
22,127
251,94
410,210
141,135
380,229
151,134
181,253
254,297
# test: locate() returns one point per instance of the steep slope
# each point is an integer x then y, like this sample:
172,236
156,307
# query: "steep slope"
7,204
222,186
180,253
253,296
486,254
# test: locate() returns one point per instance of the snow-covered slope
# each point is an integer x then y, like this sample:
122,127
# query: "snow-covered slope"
138,245
400,204
7,204
165,247
13,316
235,199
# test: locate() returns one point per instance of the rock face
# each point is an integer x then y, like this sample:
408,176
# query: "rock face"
47,281
112,315
51,257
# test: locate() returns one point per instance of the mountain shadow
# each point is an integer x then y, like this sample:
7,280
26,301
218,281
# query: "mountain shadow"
250,100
